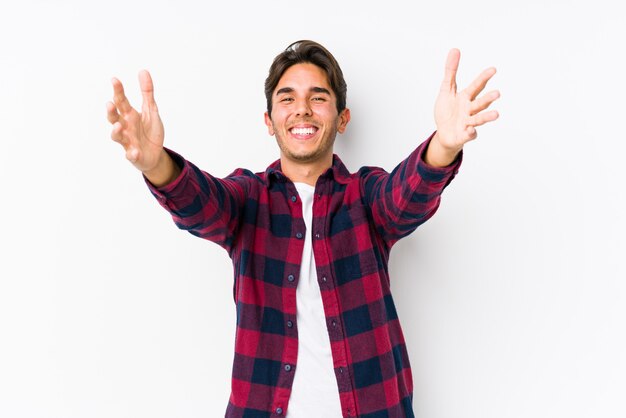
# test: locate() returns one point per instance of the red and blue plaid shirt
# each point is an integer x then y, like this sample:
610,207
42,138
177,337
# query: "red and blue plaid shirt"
357,218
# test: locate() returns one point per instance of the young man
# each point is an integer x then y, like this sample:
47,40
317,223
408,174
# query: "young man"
317,330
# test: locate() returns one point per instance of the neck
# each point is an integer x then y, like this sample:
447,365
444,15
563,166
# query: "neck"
305,172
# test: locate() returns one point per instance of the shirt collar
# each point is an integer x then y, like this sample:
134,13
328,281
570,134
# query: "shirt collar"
338,171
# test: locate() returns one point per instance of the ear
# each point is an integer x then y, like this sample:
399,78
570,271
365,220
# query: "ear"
344,118
268,123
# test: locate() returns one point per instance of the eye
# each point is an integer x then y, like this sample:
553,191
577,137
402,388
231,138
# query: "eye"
286,99
319,99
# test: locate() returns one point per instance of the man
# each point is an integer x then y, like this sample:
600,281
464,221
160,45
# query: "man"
317,330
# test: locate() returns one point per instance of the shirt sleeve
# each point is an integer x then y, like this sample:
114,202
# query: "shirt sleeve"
402,200
203,205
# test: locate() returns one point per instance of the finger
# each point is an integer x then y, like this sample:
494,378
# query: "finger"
112,114
479,83
471,133
117,135
147,91
132,154
483,117
452,65
484,102
119,98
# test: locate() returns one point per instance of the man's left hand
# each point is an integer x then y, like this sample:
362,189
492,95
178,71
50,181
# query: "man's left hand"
457,114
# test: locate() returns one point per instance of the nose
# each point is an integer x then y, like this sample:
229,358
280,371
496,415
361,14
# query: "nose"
303,108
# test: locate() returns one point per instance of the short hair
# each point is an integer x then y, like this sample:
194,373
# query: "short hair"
306,51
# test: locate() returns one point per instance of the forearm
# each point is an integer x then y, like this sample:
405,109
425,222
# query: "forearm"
408,196
165,172
203,205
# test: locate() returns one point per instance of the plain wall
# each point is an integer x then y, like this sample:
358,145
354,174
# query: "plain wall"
512,298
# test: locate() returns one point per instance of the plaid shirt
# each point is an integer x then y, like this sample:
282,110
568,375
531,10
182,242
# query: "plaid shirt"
357,218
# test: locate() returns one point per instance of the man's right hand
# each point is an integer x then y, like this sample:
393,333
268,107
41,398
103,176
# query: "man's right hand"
141,134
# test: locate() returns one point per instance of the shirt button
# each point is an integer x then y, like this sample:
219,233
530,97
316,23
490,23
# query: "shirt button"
341,370
317,236
293,198
291,278
290,324
324,278
334,323
299,235
287,367
279,411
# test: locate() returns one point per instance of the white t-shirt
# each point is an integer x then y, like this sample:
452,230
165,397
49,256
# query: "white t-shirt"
315,392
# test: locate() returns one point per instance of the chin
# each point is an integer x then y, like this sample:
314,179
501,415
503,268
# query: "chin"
303,157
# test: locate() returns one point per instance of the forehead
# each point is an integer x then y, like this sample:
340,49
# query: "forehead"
303,76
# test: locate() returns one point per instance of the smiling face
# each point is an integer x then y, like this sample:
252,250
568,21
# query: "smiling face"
304,116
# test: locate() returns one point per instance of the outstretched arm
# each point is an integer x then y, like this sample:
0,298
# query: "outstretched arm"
141,134
457,114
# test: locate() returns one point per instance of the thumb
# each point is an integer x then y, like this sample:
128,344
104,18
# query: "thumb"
452,65
147,91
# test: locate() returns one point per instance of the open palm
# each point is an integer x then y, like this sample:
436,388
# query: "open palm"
458,113
141,134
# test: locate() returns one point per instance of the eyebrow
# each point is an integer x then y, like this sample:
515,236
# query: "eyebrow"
312,89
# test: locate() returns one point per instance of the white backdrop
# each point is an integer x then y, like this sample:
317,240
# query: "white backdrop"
512,297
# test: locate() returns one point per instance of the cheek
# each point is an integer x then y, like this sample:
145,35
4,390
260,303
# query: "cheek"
329,115
278,119
276,124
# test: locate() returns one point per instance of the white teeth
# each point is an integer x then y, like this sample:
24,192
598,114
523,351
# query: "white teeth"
303,131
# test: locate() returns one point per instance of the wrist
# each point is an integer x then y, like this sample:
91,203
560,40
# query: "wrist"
164,172
438,155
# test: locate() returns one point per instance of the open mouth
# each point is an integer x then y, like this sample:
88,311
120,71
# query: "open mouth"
303,132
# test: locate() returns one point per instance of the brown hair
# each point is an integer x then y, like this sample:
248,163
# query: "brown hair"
310,52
